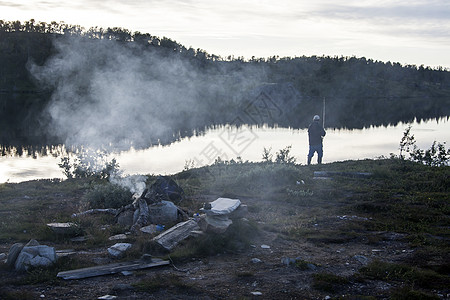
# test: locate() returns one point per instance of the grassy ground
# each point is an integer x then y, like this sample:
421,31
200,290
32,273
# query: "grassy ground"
402,202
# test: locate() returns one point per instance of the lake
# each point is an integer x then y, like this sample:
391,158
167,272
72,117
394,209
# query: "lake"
247,142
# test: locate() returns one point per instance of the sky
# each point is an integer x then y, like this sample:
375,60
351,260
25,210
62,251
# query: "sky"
406,31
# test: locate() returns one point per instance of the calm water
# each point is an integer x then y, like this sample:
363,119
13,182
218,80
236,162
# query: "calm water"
245,142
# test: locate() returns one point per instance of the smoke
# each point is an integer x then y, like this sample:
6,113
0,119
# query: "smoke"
112,94
135,183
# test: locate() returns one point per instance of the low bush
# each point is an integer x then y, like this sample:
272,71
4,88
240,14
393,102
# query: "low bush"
108,196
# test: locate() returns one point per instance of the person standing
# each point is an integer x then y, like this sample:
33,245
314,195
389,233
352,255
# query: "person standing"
315,136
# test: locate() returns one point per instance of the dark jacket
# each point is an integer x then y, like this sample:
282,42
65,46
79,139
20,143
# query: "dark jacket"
315,133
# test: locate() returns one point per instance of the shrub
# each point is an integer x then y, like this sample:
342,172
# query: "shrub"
437,155
89,163
108,196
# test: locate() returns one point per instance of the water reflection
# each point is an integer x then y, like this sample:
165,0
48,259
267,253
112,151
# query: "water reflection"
229,142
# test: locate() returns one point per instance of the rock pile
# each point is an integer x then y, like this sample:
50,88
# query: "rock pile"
21,257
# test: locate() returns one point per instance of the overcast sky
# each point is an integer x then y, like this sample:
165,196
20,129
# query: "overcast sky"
405,31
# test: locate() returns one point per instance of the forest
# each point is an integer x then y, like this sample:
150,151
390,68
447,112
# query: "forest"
56,79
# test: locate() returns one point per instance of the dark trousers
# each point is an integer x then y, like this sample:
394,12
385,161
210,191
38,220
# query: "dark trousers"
318,149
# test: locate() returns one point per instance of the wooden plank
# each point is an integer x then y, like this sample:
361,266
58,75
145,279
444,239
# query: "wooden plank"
169,239
111,269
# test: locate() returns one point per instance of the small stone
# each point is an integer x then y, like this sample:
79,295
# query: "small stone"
288,261
107,297
256,293
362,259
146,257
265,246
256,260
118,237
126,273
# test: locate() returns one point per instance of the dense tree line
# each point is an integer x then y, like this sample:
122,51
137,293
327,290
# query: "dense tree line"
358,92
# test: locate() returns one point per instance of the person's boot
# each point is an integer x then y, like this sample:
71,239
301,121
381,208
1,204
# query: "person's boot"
309,160
319,160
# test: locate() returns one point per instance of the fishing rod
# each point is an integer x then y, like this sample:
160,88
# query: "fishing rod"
323,113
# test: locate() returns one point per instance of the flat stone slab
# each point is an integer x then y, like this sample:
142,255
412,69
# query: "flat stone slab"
223,206
111,269
63,228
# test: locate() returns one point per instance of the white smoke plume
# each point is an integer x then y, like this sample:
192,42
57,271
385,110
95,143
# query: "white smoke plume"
108,93
135,183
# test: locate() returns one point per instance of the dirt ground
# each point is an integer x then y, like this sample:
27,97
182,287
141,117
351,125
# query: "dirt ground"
257,272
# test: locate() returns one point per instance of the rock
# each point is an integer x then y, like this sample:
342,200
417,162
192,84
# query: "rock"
146,257
256,260
35,256
150,229
118,237
362,259
163,212
214,223
119,249
223,206
265,246
125,218
240,212
14,252
64,228
107,297
288,261
126,273
256,293
143,218
32,243
2,256
165,188
174,235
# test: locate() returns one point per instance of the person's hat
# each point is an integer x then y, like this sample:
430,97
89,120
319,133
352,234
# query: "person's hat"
316,118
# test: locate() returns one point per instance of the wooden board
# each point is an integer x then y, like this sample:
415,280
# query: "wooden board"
111,269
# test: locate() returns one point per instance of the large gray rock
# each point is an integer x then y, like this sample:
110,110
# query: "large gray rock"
150,229
217,217
118,250
214,223
163,212
13,253
35,256
143,215
125,218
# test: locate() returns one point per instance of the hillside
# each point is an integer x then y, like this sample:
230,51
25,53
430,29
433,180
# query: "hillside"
380,235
